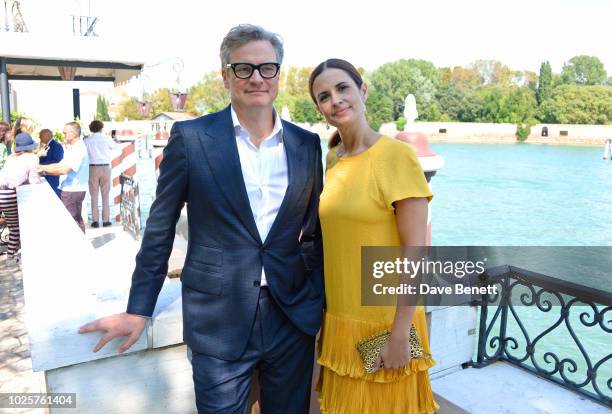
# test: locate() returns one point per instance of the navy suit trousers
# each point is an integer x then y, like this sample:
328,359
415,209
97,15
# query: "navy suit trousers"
284,356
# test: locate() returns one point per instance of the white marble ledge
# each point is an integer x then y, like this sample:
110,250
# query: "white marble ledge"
68,283
501,388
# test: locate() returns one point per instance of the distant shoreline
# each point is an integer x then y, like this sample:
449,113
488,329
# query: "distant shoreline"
559,141
487,133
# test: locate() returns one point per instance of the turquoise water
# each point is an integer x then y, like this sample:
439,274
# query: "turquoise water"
529,195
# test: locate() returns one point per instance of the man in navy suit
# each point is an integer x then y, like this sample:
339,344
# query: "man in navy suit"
253,276
51,152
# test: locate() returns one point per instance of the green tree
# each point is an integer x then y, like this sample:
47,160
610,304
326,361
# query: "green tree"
494,72
283,99
584,70
544,90
514,105
160,101
379,108
464,78
484,69
294,81
102,109
472,108
445,75
451,100
396,80
13,115
574,104
128,109
305,111
209,95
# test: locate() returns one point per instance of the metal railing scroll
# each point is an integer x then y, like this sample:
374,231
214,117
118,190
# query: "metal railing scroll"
565,311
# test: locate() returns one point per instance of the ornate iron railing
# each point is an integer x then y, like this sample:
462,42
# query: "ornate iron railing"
567,304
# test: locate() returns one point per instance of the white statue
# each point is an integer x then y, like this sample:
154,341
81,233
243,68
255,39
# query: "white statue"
285,114
410,111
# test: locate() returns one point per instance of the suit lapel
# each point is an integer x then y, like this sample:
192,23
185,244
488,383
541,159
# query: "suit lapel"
297,175
222,153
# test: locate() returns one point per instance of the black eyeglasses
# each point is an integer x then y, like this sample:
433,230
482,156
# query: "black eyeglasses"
267,70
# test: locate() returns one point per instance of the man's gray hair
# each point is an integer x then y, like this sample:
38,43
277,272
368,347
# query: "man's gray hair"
245,33
75,127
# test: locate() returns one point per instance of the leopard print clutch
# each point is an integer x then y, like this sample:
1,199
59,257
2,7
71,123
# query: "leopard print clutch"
369,348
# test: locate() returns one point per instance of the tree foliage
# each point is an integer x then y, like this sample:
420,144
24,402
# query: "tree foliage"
102,109
160,101
379,108
451,100
545,83
13,116
396,80
294,81
304,110
460,77
485,91
209,95
584,70
128,109
574,104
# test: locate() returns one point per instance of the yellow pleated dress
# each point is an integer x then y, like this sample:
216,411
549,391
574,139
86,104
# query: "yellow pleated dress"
356,209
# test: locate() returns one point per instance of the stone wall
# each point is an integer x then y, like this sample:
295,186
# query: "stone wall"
470,132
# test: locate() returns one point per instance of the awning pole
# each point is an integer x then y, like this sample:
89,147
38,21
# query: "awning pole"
4,91
76,104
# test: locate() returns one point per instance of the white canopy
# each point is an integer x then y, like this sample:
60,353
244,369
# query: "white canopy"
36,57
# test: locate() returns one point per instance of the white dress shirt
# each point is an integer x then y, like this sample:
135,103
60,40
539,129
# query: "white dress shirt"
265,175
99,148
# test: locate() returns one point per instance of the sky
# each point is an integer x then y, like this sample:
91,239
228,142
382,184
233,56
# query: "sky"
519,33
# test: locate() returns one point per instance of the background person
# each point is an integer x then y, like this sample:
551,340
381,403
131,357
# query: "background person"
24,124
99,147
51,152
20,168
375,194
75,170
5,147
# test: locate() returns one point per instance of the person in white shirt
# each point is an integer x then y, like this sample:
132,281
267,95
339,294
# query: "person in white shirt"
99,148
74,169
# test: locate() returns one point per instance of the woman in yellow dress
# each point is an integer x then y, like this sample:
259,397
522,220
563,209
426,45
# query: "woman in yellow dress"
375,194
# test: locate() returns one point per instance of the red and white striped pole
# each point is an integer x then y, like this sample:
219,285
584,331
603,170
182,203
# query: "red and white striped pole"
158,155
124,162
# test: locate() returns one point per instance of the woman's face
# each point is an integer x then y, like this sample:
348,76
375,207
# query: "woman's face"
339,99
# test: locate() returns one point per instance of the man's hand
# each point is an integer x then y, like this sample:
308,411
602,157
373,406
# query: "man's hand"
121,324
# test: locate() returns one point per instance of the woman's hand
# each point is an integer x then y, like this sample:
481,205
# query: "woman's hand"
395,353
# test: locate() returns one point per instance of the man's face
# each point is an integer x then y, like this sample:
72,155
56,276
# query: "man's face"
44,137
254,91
70,135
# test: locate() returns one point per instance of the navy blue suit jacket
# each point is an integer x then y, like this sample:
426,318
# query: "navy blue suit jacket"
55,154
201,167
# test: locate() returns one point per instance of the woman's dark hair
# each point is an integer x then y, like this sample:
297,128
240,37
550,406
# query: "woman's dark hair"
96,126
334,64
